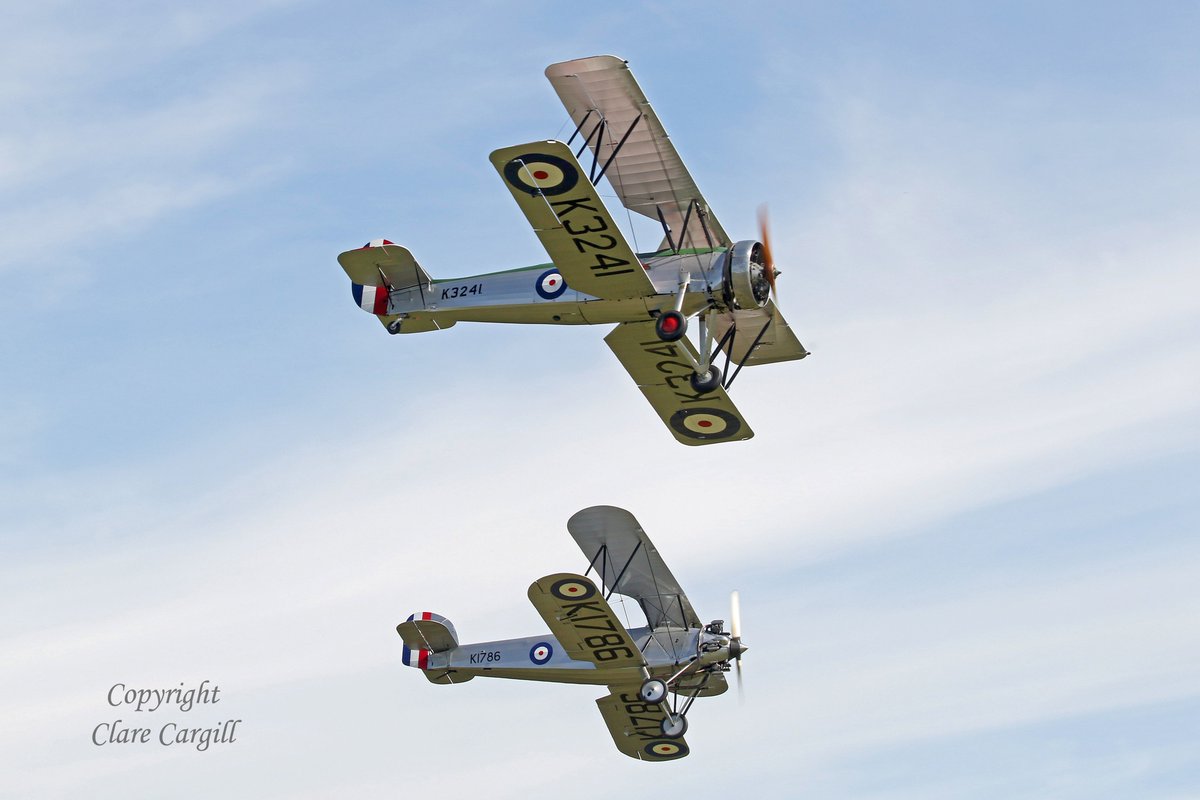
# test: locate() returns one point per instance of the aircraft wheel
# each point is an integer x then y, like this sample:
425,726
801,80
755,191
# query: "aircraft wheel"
710,380
670,326
653,691
393,327
676,729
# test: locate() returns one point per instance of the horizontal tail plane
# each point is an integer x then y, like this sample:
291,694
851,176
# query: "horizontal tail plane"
384,279
424,633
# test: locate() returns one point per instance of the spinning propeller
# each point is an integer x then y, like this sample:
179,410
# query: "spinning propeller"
736,648
769,271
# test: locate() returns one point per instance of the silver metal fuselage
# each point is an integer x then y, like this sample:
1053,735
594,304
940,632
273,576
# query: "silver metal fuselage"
665,651
513,295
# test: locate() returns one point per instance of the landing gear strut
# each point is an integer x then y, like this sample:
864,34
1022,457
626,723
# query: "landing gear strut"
654,691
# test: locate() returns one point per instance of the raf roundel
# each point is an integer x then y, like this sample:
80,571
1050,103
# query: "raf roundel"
665,749
541,173
572,589
705,423
540,653
550,285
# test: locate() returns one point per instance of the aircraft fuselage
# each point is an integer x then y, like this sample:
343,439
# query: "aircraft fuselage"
539,295
542,658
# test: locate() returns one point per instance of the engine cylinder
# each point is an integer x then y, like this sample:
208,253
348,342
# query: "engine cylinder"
745,280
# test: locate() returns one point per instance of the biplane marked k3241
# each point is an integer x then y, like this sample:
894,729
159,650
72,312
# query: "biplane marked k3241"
594,276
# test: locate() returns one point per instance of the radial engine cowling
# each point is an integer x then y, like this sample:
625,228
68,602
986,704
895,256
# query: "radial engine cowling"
745,280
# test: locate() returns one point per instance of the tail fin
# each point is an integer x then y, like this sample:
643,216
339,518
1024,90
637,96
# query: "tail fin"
385,278
424,633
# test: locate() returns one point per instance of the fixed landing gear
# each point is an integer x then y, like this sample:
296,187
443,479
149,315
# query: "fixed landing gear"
670,326
674,726
706,382
653,691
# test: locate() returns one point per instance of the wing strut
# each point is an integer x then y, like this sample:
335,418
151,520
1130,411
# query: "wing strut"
624,569
666,229
616,149
703,215
687,217
753,345
602,554
579,127
598,131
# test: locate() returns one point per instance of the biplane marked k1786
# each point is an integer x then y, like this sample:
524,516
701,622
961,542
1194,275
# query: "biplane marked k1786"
653,673
595,277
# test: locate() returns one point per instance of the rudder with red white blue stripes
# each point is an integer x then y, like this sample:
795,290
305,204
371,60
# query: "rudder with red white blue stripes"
425,633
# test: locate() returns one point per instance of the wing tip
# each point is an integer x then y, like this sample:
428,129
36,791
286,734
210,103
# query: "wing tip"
563,69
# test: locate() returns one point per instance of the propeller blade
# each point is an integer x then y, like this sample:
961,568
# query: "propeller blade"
736,648
741,689
764,236
735,616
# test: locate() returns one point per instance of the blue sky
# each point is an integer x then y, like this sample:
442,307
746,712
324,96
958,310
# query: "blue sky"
964,535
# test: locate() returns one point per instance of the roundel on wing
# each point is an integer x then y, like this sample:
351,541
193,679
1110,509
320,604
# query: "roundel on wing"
541,652
705,423
541,173
550,285
666,749
572,589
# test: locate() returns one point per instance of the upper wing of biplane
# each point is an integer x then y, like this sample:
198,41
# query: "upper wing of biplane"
663,370
629,564
762,335
571,221
584,624
630,146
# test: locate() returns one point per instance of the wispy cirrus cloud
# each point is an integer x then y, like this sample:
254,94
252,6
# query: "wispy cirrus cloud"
97,146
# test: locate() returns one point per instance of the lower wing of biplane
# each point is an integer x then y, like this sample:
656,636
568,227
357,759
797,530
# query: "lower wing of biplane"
653,673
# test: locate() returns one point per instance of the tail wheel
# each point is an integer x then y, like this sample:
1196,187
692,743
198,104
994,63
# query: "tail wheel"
674,728
703,384
670,326
653,691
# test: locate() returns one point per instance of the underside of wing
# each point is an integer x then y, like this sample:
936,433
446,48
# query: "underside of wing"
663,370
636,726
625,136
762,336
584,623
628,563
